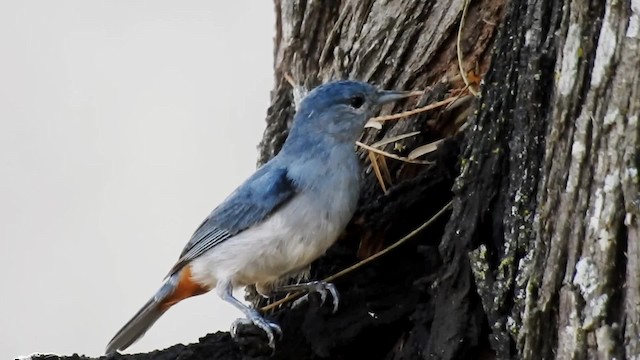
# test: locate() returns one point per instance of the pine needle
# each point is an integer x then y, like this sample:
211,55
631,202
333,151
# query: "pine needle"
376,170
392,156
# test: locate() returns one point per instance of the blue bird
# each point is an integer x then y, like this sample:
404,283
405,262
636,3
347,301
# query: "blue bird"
283,217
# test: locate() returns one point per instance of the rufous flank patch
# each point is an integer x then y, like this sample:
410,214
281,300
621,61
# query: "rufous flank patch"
185,288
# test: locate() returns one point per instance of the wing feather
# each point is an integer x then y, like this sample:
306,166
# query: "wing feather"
254,201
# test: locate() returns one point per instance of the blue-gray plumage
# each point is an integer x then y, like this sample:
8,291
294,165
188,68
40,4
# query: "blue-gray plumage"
281,218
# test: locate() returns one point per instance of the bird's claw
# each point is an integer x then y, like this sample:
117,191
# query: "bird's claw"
322,288
299,301
268,327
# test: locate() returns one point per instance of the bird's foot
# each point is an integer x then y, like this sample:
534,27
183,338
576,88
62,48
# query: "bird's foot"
322,288
255,319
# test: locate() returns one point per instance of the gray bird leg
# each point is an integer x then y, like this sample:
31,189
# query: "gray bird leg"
225,291
320,287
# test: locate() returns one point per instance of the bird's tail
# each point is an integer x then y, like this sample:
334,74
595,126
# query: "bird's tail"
175,288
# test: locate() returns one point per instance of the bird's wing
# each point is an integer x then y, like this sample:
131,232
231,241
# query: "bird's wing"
251,203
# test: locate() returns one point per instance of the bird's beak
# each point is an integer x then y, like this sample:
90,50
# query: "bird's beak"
386,96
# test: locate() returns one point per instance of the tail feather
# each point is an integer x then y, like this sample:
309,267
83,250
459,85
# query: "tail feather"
143,319
177,287
136,327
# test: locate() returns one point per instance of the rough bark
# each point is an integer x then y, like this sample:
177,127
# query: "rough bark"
583,285
538,258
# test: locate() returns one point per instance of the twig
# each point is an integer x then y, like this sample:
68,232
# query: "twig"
415,111
290,80
386,141
384,169
392,156
362,263
376,170
416,93
463,73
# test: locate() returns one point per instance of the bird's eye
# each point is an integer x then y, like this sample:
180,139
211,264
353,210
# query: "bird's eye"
356,102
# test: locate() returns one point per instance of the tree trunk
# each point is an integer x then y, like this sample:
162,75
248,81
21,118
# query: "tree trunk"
539,257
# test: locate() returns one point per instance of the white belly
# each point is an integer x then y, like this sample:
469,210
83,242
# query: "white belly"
289,240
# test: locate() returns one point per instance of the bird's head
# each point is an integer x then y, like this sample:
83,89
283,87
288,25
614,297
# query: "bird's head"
340,109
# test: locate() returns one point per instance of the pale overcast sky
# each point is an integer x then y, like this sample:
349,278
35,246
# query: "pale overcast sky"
122,124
